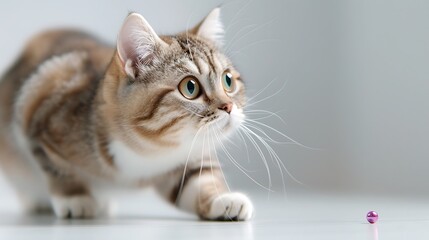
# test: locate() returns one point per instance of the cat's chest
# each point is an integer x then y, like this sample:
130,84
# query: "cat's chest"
132,165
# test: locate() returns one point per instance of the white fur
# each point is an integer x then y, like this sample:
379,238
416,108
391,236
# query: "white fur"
77,207
237,115
236,118
189,195
230,206
32,187
212,28
134,165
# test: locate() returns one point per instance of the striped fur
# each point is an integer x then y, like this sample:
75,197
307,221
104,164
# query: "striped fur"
78,116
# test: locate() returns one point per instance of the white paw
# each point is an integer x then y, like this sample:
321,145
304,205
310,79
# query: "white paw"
76,207
232,207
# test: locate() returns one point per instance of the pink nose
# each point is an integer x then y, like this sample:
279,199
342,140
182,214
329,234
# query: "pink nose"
227,107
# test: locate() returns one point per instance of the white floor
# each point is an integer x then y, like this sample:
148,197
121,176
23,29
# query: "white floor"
299,217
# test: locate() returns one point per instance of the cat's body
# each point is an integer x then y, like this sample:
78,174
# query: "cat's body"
78,119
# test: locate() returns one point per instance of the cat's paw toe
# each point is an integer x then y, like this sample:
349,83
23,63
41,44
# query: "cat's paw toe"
76,207
231,207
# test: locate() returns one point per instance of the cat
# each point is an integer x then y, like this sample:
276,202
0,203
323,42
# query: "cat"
79,117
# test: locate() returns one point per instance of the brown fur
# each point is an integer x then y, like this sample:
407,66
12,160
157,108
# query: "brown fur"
69,96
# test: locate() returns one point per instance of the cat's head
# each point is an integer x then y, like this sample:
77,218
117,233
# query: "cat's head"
165,87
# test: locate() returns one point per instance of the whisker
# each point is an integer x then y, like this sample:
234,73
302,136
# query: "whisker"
231,44
232,54
261,154
261,90
201,166
245,144
258,26
237,14
236,35
230,156
211,165
220,167
268,97
274,156
193,112
260,112
265,136
240,168
186,164
284,135
223,176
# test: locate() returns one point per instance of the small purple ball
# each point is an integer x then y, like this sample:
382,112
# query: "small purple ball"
372,217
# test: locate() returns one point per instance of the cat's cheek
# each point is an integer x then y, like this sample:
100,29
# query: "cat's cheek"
237,117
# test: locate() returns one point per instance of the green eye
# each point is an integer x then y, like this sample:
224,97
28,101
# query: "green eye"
228,82
189,88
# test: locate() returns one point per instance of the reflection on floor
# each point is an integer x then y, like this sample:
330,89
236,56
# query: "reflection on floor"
298,217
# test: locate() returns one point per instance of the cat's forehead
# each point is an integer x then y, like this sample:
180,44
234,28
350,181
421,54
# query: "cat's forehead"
200,56
188,56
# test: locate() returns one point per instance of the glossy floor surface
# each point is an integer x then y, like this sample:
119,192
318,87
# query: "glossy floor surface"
296,217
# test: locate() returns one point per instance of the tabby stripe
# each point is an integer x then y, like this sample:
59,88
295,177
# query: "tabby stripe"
102,143
157,132
68,188
204,53
38,124
30,110
187,49
50,148
155,105
210,62
176,191
37,109
45,162
198,66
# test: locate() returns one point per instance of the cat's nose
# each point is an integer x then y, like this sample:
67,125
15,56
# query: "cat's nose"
227,107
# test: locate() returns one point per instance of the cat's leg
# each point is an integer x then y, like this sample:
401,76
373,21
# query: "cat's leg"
203,191
70,196
26,178
73,199
30,187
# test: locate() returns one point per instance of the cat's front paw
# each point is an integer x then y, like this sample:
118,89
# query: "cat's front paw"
77,207
230,207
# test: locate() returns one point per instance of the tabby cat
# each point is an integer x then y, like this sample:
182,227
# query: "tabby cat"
80,118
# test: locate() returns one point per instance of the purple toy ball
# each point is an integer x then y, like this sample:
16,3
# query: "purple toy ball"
372,217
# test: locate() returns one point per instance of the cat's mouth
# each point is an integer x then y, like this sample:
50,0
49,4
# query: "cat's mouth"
219,121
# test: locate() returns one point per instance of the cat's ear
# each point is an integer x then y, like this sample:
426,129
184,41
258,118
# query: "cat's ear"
211,27
138,45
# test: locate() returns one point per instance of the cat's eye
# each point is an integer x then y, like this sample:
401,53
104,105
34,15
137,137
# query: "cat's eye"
189,88
228,82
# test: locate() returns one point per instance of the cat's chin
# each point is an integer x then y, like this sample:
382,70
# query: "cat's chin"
225,125
223,122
